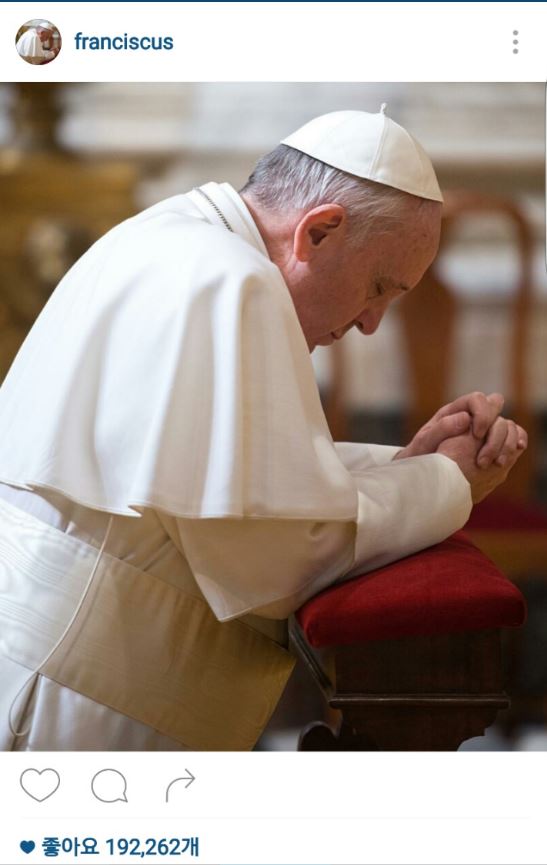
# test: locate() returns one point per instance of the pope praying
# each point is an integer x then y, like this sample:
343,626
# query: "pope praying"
169,489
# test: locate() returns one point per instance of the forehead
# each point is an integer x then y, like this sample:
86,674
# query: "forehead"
408,252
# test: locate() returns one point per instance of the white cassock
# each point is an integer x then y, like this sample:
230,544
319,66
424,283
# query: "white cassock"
170,492
30,47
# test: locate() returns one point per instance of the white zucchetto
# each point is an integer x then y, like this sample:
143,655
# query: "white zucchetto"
371,146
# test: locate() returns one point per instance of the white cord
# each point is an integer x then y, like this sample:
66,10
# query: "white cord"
60,640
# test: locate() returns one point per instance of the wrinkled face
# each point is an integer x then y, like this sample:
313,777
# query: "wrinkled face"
354,287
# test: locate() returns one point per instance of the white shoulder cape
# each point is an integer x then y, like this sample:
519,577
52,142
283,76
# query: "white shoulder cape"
169,370
30,45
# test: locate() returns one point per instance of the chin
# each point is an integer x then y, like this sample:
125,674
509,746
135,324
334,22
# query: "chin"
323,340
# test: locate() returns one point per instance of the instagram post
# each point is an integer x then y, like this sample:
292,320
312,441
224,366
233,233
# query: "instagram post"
219,634
273,454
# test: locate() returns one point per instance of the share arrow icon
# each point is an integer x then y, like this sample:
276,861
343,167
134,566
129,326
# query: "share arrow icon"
189,778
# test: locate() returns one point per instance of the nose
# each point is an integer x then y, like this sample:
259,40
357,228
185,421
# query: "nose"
369,320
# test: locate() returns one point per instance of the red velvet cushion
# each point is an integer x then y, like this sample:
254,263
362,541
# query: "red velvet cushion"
447,588
498,514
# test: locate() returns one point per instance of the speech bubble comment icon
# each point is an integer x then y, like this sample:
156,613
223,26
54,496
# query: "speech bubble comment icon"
109,785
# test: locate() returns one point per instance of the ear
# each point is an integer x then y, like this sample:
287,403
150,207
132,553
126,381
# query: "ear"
320,227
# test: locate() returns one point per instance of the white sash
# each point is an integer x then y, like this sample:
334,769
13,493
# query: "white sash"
138,645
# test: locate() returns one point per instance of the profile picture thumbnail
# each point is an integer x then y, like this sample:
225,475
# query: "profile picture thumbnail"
38,41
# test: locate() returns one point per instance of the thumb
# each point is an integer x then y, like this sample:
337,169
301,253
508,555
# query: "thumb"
445,428
496,399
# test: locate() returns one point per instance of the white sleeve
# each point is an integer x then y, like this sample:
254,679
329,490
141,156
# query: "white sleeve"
357,456
270,567
406,506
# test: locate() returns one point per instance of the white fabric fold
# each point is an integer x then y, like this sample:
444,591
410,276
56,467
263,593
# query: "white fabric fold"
357,456
266,567
169,370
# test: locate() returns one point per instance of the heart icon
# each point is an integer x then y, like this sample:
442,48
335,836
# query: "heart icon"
40,785
27,846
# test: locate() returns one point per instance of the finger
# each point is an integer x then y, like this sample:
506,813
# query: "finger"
495,440
434,433
522,440
485,410
457,405
509,452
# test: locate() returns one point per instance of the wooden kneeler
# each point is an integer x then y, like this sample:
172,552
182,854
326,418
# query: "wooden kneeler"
410,654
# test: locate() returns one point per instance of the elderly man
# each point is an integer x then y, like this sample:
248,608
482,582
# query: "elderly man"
169,490
30,46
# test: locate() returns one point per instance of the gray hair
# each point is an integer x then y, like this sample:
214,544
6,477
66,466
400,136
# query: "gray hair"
285,179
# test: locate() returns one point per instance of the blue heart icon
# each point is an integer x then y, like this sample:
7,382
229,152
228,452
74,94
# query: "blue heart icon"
27,846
